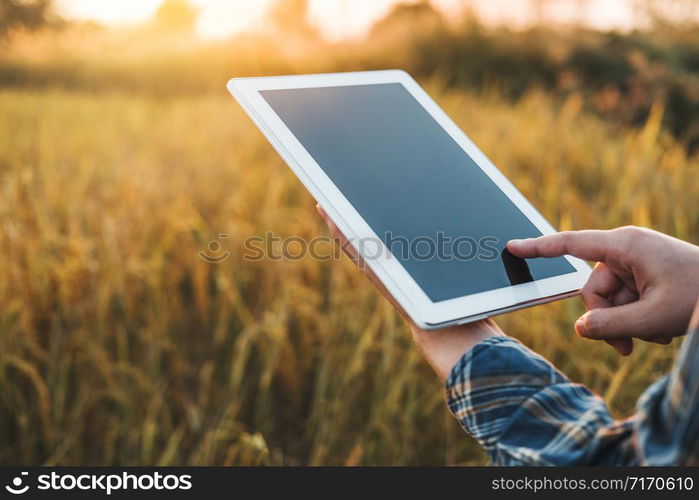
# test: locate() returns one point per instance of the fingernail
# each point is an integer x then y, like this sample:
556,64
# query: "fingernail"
581,325
517,243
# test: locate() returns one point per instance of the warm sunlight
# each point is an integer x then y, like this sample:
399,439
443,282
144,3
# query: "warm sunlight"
338,19
217,18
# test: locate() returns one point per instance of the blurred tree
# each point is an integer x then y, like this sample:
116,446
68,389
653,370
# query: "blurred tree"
668,13
23,14
176,16
290,17
409,19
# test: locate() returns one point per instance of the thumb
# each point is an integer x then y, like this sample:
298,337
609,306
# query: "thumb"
622,346
629,320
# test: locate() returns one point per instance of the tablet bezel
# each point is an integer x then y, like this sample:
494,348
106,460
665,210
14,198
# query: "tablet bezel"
393,275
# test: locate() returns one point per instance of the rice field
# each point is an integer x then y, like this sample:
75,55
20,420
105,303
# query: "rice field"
119,345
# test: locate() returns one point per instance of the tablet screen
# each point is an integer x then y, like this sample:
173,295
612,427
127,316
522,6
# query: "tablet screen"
420,192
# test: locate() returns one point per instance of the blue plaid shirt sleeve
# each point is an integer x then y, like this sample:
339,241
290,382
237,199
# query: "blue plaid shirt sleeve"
523,411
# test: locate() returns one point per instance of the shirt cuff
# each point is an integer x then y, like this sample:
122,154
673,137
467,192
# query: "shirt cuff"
491,381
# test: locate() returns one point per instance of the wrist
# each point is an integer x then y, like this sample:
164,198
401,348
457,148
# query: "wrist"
443,348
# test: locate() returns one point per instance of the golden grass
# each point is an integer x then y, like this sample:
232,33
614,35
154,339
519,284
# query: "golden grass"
119,345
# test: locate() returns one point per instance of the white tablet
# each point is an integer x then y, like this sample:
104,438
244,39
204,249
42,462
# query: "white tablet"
430,214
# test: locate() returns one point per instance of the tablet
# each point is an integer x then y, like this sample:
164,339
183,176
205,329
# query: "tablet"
424,207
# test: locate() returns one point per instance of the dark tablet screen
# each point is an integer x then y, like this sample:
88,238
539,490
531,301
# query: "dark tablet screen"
427,200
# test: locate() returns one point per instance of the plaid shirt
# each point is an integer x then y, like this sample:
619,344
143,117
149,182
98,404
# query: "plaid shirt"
523,411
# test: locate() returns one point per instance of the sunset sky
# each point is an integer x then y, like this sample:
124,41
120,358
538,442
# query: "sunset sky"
347,18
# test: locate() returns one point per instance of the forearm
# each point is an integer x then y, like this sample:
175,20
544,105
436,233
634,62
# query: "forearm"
525,412
668,412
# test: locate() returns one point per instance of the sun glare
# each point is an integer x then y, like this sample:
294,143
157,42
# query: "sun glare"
217,18
338,19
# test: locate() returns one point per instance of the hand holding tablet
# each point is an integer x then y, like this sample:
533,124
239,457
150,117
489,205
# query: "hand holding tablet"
440,351
419,202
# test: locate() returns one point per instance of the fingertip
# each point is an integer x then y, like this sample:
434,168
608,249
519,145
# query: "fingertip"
323,214
581,325
517,246
624,347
